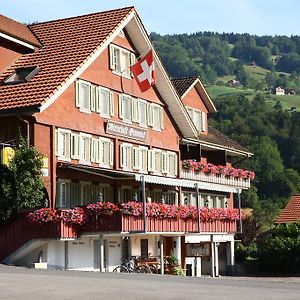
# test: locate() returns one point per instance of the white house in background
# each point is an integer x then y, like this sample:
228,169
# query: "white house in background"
279,91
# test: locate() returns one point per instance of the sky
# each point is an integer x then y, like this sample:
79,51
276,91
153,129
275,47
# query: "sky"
261,17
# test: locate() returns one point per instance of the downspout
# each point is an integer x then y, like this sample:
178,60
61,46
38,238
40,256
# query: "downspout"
240,212
144,202
27,125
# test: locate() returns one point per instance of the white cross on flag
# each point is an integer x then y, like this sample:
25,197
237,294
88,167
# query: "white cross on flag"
144,71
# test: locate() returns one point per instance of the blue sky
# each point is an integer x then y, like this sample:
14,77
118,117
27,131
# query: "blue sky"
259,17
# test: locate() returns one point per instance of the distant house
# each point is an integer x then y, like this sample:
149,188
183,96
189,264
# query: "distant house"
253,64
280,91
292,92
233,82
291,212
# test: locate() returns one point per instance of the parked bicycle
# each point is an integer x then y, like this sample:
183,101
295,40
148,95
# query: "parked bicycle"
130,266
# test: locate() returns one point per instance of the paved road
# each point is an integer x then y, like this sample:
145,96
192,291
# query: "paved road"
21,283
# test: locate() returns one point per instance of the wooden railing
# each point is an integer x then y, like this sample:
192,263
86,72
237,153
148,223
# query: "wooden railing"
20,231
215,178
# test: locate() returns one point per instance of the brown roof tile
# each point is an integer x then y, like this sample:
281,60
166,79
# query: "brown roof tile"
214,136
17,30
67,43
182,84
291,212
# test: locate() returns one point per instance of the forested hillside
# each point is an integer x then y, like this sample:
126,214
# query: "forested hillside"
249,112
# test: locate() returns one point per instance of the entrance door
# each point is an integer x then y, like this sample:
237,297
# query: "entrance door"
168,246
144,248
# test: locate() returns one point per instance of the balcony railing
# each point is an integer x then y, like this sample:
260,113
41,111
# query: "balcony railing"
21,230
216,178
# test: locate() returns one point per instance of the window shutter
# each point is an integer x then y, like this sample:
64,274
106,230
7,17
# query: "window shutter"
97,100
111,104
121,113
132,62
68,145
68,194
122,156
150,160
136,159
135,110
93,150
93,97
176,164
74,146
112,61
203,117
164,162
161,115
149,114
56,142
101,152
111,153
57,193
77,93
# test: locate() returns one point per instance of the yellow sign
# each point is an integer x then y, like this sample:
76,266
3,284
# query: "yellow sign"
7,155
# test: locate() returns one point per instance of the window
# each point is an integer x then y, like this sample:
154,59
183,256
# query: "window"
136,159
106,152
86,193
83,96
158,122
125,108
172,164
62,141
157,156
85,148
126,156
142,109
121,60
105,102
75,146
198,117
143,159
22,75
63,193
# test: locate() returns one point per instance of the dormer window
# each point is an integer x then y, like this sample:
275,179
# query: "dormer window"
198,117
22,75
120,60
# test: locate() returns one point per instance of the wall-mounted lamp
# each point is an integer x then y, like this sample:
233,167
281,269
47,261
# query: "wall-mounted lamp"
174,244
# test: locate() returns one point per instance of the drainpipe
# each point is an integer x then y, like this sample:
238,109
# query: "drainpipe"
27,125
198,205
144,202
240,212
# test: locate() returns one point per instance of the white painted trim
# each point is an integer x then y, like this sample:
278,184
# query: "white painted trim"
202,89
10,38
84,65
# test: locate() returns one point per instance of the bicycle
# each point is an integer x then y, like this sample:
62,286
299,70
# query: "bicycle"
130,266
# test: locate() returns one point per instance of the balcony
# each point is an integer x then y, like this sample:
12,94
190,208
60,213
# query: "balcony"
21,231
223,175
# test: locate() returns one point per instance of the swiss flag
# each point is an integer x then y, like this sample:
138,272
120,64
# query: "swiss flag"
144,71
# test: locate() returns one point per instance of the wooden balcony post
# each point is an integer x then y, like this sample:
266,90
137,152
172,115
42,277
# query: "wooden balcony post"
212,247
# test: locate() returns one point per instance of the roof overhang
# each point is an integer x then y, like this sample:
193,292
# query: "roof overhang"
203,93
17,41
213,146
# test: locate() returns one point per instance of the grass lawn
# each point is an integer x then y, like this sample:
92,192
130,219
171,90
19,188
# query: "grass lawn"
288,101
215,91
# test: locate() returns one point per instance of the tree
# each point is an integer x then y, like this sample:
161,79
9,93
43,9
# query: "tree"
21,184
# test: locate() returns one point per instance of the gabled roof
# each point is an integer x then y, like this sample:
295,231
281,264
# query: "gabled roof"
67,43
291,212
18,31
69,46
184,85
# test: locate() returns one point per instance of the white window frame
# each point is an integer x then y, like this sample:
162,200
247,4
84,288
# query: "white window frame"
120,60
202,125
99,102
85,141
63,153
75,145
122,99
126,156
106,152
144,103
143,159
173,172
157,117
157,165
79,96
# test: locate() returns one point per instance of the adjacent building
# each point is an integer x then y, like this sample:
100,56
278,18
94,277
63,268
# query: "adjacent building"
68,86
